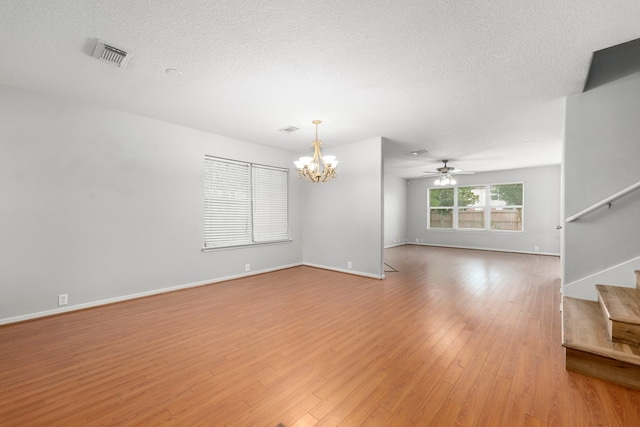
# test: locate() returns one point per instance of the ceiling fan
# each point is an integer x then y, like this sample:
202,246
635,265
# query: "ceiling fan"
445,173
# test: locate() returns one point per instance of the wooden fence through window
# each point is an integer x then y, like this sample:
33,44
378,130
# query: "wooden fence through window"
500,220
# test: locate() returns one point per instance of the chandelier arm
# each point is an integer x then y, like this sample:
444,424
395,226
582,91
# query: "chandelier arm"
314,176
330,173
309,174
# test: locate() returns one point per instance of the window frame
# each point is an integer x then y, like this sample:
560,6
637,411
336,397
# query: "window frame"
486,206
212,209
451,209
521,207
482,206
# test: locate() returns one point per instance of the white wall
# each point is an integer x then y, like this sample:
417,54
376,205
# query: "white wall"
102,205
602,156
395,210
541,213
343,217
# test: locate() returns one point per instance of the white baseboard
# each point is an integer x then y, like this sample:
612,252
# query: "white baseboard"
344,270
98,303
485,249
394,245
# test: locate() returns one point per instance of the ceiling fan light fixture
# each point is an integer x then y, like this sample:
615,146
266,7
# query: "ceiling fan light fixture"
444,174
445,179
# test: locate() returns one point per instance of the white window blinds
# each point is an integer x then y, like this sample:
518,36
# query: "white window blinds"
244,203
270,204
227,203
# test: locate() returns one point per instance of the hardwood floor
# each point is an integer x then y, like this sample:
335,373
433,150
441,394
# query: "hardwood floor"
454,338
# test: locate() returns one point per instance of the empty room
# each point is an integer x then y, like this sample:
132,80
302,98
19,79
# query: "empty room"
319,213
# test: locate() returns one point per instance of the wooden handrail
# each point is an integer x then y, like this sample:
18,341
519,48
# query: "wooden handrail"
603,202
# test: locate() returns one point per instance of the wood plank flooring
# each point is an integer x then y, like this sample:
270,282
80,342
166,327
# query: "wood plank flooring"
454,338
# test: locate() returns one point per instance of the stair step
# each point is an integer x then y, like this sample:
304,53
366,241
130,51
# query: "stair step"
589,350
621,310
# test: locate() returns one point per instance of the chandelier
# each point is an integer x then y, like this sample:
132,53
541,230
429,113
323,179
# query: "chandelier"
317,168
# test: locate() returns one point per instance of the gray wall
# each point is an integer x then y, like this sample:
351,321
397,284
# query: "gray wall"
106,206
602,156
541,213
395,210
102,205
343,217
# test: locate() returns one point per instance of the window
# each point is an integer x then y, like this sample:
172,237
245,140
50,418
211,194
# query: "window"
244,203
478,207
441,208
506,207
472,203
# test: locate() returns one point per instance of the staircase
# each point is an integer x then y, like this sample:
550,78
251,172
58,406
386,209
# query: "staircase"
602,339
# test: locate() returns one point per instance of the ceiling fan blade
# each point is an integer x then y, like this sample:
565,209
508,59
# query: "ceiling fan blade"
461,172
427,174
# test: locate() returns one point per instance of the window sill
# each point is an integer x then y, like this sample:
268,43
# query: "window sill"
470,230
248,245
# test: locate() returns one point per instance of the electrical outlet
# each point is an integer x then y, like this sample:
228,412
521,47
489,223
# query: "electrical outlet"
247,267
63,299
537,248
349,265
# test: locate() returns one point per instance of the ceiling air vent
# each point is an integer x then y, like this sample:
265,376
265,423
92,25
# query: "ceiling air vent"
288,129
112,54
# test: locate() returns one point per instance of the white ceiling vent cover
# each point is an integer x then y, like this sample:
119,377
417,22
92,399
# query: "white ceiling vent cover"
112,54
288,129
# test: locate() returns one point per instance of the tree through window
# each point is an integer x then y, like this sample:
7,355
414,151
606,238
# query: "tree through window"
477,207
441,207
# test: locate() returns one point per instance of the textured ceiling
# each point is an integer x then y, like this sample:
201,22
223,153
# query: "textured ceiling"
481,83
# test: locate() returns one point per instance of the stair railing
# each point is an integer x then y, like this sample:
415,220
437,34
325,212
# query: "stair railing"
603,202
